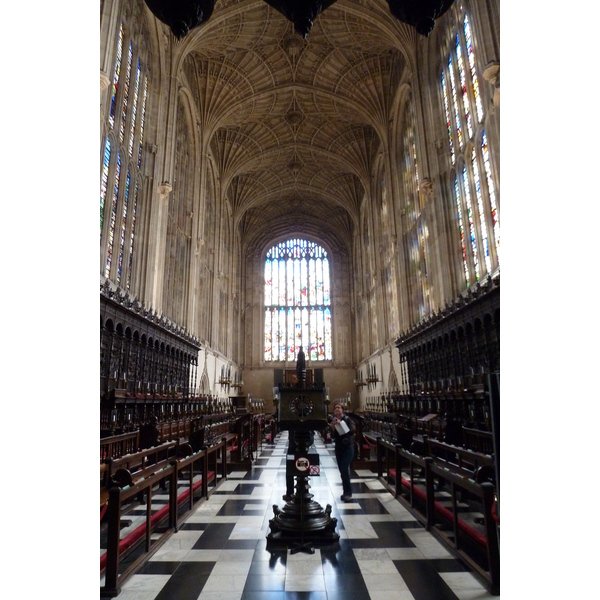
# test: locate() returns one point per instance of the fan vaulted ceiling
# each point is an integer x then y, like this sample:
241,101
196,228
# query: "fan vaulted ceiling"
294,124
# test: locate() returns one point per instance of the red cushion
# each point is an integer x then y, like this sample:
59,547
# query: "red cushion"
446,513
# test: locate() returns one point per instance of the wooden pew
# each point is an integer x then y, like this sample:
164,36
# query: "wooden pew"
412,479
119,445
118,547
130,468
199,469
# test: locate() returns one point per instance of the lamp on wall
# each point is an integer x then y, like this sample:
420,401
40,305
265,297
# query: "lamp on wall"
183,15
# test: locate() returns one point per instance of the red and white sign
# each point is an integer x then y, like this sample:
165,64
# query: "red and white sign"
302,463
314,469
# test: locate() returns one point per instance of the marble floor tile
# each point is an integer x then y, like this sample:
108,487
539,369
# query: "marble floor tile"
390,582
427,544
143,587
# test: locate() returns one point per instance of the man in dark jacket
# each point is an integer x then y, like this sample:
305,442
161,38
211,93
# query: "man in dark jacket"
342,430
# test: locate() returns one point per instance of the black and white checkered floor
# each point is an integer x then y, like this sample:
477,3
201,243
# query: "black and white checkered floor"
220,553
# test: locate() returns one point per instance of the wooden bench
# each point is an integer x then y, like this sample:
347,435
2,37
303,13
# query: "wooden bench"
130,468
198,469
412,479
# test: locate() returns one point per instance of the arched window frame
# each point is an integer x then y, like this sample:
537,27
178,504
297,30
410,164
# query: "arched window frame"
465,147
290,315
122,154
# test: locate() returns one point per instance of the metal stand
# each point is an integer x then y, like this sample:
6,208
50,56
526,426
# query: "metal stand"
302,523
302,546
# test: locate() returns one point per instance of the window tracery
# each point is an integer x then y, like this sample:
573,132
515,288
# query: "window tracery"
297,294
477,219
120,170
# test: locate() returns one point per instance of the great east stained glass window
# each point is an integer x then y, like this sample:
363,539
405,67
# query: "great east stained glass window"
297,301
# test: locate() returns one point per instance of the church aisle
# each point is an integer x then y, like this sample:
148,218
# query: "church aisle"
383,553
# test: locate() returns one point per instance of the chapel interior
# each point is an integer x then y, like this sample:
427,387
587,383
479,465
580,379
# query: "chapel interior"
331,183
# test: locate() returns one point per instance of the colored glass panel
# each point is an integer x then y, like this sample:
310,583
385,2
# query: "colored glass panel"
268,340
281,337
482,219
471,58
290,335
113,218
136,92
268,281
132,236
461,229
312,283
448,120
326,283
123,227
455,103
297,274
116,76
290,282
104,182
474,247
491,194
142,120
327,334
126,94
463,87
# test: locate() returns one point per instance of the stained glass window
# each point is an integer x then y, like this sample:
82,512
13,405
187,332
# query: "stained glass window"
297,301
116,76
113,218
134,109
455,103
104,181
471,56
491,193
132,235
126,105
477,211
126,93
448,121
462,229
123,227
463,87
472,232
142,119
482,219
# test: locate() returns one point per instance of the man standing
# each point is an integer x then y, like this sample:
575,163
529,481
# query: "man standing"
343,429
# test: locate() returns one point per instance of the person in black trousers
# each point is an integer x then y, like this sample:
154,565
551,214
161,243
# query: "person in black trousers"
344,446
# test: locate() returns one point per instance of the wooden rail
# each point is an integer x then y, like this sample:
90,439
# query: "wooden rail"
119,445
